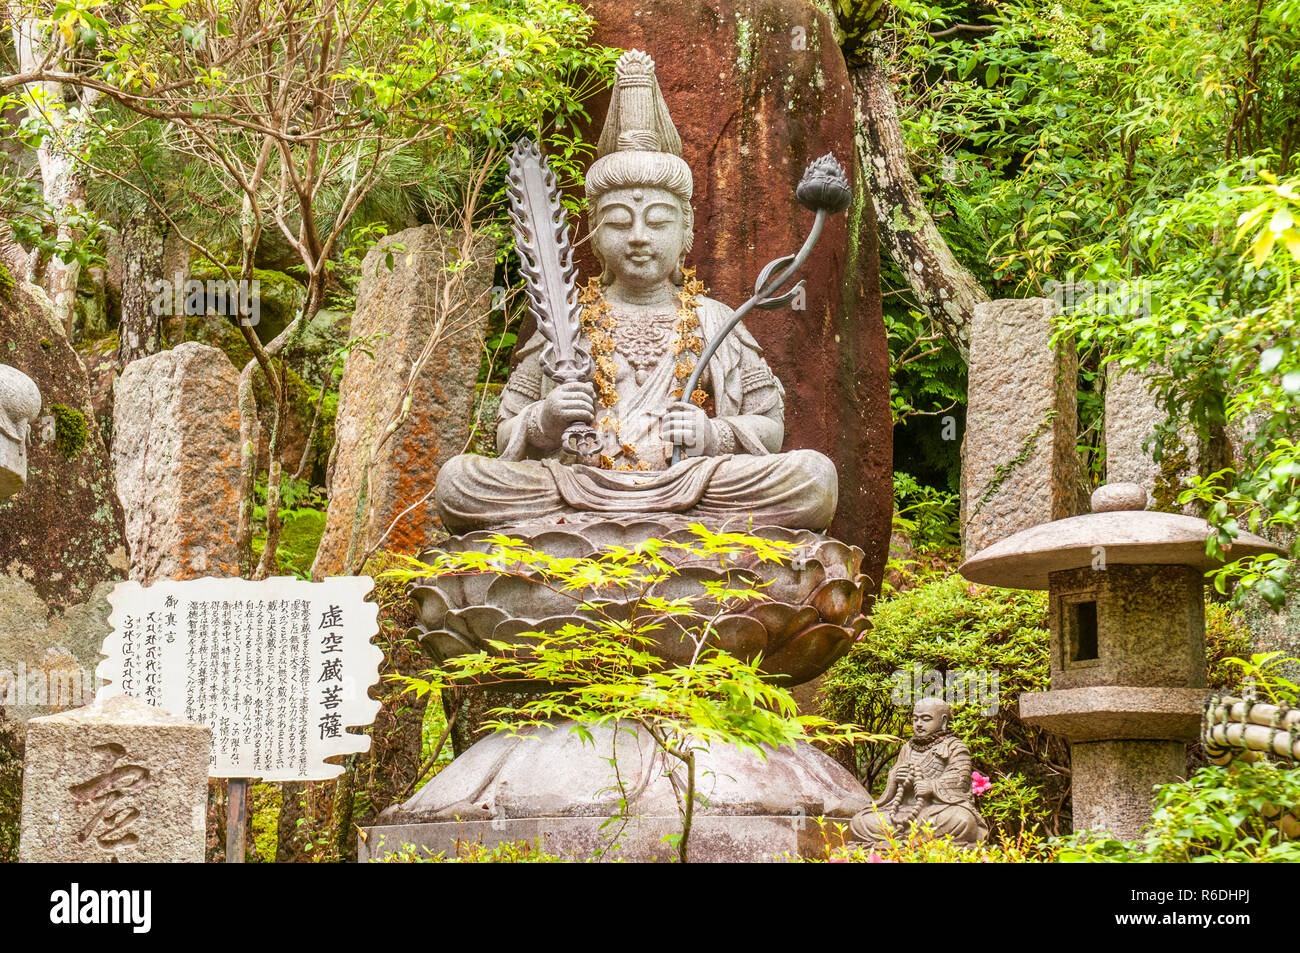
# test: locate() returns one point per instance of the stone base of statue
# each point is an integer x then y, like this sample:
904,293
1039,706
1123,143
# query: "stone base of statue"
551,787
548,785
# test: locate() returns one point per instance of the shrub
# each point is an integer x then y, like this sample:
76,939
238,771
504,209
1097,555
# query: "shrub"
507,852
917,847
1226,637
949,625
1220,815
604,669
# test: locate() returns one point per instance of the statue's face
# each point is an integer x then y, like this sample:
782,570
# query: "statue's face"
927,719
640,235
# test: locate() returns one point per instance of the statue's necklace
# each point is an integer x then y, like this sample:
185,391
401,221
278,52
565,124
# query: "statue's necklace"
645,344
643,339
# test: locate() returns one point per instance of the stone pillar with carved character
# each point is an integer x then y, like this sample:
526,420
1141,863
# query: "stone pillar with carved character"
115,781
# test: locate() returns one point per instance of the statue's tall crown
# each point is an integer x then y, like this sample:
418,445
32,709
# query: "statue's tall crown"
638,119
639,145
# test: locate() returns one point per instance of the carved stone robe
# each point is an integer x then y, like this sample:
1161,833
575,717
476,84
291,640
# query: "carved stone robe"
949,810
746,479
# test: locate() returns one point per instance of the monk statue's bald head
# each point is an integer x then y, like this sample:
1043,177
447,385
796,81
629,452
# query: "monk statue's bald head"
930,717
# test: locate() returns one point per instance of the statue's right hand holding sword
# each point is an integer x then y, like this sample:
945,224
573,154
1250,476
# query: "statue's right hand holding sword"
565,405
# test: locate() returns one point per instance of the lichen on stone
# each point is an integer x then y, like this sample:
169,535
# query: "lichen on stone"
744,45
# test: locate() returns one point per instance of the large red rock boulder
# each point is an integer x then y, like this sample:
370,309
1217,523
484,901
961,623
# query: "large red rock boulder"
758,89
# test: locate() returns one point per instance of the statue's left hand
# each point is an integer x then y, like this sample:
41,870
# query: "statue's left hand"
690,427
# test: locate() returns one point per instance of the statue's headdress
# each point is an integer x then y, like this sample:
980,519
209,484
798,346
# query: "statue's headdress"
639,146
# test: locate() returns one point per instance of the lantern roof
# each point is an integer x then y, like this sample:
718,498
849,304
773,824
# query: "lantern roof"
1120,530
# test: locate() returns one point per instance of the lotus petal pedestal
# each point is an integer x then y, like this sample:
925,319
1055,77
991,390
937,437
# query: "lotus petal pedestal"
547,785
813,610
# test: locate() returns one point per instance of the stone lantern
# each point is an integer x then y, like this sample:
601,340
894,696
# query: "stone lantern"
1127,617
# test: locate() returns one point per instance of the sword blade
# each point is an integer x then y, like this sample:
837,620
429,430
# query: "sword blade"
541,231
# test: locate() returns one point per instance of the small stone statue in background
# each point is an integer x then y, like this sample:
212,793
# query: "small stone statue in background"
930,783
20,404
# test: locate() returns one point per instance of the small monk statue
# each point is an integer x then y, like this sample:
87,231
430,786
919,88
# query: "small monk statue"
645,321
929,784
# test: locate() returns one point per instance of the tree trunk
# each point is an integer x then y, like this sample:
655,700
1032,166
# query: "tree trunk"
63,177
139,333
65,193
942,286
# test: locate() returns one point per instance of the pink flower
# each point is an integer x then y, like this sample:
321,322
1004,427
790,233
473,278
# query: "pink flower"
979,783
838,860
874,858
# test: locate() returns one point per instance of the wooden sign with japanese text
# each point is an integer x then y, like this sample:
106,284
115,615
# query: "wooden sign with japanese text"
277,668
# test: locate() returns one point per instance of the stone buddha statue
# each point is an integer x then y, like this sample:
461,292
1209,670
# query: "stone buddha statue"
929,784
645,322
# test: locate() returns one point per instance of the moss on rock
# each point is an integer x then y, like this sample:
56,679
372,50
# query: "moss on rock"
71,431
279,296
11,792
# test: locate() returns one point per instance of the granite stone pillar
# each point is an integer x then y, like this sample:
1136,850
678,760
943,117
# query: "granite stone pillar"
114,782
1132,416
1019,462
176,458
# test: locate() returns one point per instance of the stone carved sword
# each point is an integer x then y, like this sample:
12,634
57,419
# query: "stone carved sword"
541,231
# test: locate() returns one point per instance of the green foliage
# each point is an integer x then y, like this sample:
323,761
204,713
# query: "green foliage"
1227,642
1220,815
916,846
1264,674
946,624
264,810
6,282
949,625
607,669
927,389
1135,158
927,376
71,431
434,730
1221,321
302,524
11,792
929,516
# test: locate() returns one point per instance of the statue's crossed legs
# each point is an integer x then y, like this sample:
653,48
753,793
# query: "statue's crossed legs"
798,490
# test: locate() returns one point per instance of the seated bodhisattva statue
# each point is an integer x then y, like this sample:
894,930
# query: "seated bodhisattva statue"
929,785
644,324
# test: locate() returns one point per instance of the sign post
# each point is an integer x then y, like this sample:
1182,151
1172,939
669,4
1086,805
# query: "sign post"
236,820
278,668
